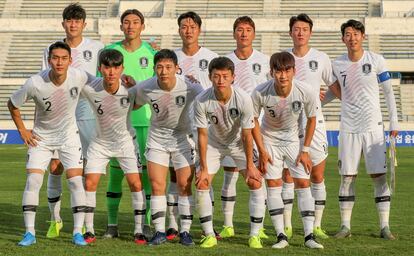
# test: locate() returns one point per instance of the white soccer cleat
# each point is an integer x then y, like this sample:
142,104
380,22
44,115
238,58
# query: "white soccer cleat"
281,242
311,243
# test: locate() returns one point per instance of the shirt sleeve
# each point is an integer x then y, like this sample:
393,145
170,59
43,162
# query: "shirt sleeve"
310,103
247,117
200,117
22,95
139,94
256,103
327,73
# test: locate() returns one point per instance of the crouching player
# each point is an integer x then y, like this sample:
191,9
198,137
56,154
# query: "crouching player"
224,121
112,105
55,92
169,139
282,100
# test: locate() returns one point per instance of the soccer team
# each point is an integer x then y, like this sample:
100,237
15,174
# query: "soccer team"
151,113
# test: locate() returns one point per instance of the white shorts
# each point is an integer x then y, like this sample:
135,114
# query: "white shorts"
87,132
180,157
70,155
216,155
371,144
126,153
229,162
319,145
284,155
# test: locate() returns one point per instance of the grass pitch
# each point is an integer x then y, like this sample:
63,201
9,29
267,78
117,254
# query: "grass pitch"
365,231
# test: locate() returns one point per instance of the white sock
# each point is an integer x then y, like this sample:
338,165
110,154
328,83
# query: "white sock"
256,205
306,205
288,194
89,211
54,191
211,192
30,200
346,199
78,202
382,200
264,188
228,197
275,206
205,211
139,205
185,208
158,209
172,202
319,193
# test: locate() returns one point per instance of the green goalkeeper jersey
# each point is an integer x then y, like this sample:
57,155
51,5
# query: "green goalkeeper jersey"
140,65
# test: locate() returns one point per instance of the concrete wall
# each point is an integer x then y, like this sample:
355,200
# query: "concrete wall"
395,8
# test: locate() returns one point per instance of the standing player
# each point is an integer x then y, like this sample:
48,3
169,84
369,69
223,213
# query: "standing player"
193,60
312,67
112,104
230,114
84,53
55,92
169,139
138,63
251,69
360,73
282,100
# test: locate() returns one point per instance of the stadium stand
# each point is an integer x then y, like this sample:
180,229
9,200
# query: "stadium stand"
2,3
316,8
220,8
397,47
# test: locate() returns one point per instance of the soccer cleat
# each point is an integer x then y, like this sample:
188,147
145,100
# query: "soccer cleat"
386,234
83,230
140,239
320,233
158,238
208,242
78,240
28,239
289,232
147,230
281,242
311,243
344,232
227,232
89,237
255,242
172,233
262,234
54,229
111,232
186,239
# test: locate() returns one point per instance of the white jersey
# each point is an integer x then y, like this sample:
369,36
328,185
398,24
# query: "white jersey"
196,65
359,81
111,112
54,105
224,122
84,57
170,110
281,115
251,72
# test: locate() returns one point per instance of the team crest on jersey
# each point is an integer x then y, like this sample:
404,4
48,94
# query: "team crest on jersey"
143,61
87,55
74,92
296,106
313,65
203,64
124,102
234,112
180,101
257,68
366,68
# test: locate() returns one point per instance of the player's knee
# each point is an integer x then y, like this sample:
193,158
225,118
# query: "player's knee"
254,184
286,176
56,167
301,183
184,188
202,186
317,177
274,183
34,182
347,185
90,184
381,188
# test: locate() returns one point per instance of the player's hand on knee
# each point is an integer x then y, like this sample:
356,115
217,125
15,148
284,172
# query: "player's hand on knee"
202,181
304,159
252,174
29,138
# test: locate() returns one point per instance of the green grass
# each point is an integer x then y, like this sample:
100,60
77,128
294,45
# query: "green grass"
365,240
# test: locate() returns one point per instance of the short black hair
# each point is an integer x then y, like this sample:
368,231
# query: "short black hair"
353,24
221,63
243,19
132,11
58,45
74,12
111,58
282,61
301,17
165,54
190,15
